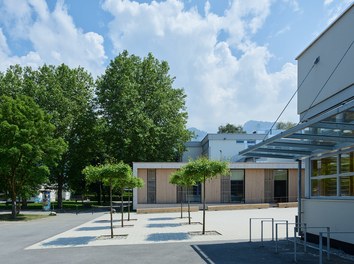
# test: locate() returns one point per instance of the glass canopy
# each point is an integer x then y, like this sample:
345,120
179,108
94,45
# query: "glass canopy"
327,132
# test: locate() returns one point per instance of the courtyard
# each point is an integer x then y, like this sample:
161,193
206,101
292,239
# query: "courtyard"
150,238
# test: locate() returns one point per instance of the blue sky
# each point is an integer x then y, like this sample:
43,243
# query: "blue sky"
235,59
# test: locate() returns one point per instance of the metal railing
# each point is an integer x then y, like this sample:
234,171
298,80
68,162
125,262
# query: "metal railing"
305,238
255,218
328,243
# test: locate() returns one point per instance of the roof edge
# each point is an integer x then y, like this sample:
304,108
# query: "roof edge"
324,31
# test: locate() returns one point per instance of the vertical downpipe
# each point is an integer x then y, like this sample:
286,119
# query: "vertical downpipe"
299,191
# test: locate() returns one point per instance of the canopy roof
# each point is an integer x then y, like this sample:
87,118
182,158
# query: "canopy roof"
327,132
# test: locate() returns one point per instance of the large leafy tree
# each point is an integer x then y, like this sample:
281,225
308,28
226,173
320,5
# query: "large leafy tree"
67,95
203,169
230,128
28,146
146,116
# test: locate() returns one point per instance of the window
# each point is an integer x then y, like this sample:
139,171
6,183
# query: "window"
151,186
237,185
333,176
232,187
280,185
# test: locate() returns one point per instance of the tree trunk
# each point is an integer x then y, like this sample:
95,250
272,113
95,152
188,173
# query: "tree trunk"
14,208
203,206
122,208
129,207
60,181
189,206
181,195
111,206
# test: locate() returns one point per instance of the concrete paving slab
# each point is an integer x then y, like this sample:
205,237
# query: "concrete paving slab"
170,228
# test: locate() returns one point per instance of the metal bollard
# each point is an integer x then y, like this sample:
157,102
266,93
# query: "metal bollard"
250,230
276,238
328,243
320,246
272,229
295,230
262,232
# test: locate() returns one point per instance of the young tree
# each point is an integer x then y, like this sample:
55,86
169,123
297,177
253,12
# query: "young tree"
203,169
180,178
134,182
146,116
230,128
28,146
112,175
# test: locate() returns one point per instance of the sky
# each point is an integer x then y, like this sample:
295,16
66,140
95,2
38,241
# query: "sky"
235,59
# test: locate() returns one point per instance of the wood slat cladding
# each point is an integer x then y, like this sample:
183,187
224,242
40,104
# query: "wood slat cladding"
254,186
165,192
142,192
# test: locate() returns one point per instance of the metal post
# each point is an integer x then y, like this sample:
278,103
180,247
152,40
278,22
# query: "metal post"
276,238
295,244
328,243
250,230
272,229
262,232
299,191
305,237
320,246
287,230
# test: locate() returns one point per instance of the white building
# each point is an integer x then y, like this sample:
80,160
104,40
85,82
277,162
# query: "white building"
324,139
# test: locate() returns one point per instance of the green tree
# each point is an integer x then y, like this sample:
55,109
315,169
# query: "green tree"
230,128
112,175
183,180
67,95
134,182
201,170
146,116
28,146
285,125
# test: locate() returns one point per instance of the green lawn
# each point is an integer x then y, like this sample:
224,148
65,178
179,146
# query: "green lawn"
22,217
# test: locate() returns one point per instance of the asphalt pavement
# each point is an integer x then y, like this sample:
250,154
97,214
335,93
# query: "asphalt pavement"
149,238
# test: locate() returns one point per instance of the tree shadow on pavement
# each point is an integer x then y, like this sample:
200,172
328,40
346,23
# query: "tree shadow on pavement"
163,225
161,218
158,237
69,241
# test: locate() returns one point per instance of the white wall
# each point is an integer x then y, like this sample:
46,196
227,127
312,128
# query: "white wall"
337,214
330,47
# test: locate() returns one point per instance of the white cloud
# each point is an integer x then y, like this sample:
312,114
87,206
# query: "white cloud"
221,85
335,8
53,35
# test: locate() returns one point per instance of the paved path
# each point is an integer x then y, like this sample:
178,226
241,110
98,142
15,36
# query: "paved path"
150,238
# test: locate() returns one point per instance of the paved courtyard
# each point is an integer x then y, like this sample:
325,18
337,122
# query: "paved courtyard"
150,238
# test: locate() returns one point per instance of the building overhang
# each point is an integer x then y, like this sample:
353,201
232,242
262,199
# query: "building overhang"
328,132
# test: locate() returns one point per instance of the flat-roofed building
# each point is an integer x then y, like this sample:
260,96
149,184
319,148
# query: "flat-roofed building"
324,138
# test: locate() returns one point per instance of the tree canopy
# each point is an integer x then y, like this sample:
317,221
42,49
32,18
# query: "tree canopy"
146,116
285,125
28,146
230,128
67,95
202,169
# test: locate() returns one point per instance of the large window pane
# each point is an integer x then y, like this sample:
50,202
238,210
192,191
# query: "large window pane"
151,186
237,185
347,162
328,187
315,191
315,167
328,166
280,185
347,186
